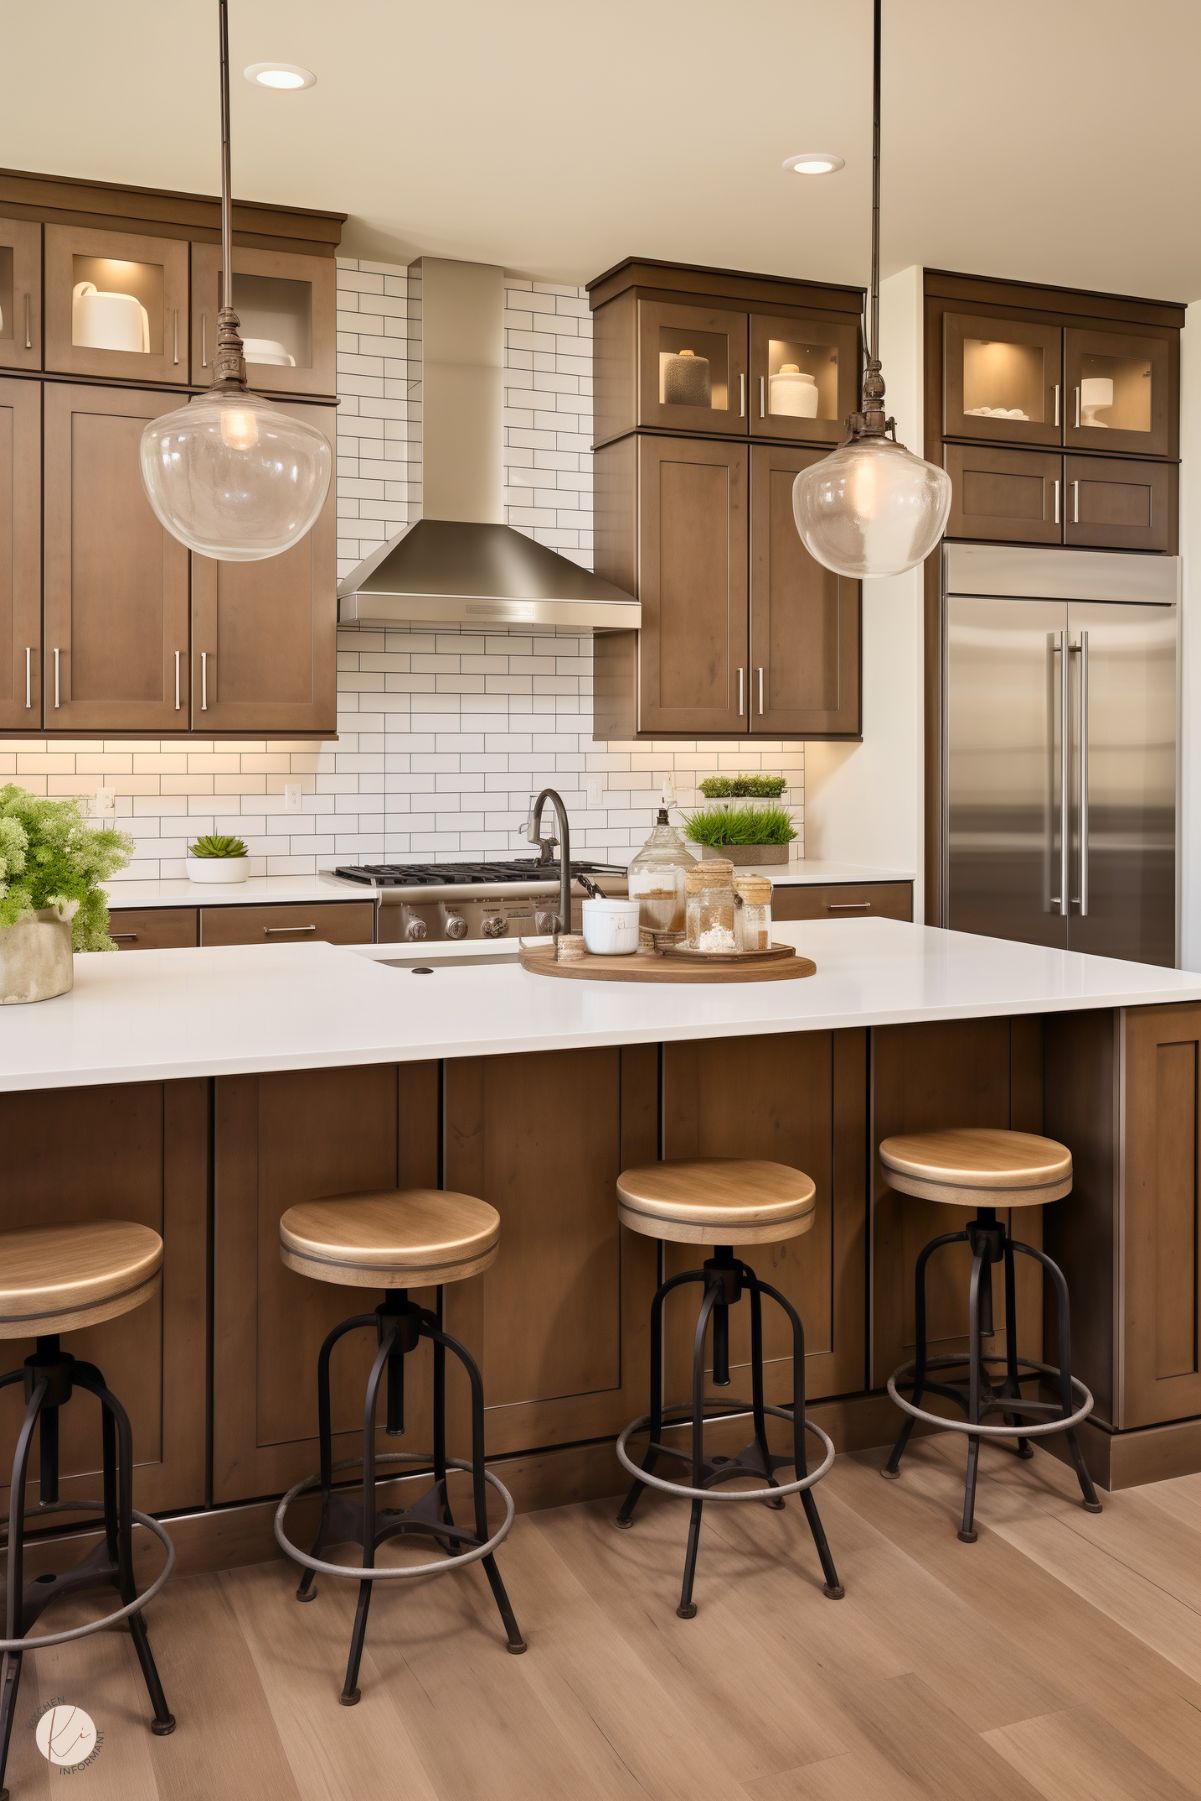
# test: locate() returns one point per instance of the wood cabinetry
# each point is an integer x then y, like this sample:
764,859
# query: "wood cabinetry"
285,302
842,900
1041,497
20,556
116,583
742,632
154,928
332,922
116,304
1120,504
20,294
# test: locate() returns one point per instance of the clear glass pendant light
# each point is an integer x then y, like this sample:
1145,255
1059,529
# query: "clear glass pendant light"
230,475
871,507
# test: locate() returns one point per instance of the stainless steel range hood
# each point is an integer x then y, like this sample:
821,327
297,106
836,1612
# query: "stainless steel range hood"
460,564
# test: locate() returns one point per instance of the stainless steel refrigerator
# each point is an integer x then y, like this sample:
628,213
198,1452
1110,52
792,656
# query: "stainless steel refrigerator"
1060,699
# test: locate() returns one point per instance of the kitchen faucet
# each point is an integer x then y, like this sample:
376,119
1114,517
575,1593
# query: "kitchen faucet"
533,832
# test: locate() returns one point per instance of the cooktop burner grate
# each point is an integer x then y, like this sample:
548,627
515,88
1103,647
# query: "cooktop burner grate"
443,875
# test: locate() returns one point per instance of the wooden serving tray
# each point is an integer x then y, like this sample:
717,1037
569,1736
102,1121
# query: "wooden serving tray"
779,964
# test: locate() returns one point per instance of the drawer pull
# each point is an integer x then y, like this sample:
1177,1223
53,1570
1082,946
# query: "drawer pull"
123,937
848,906
275,931
28,677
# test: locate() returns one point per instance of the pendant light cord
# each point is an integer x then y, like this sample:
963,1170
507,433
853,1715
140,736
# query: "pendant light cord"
873,344
229,364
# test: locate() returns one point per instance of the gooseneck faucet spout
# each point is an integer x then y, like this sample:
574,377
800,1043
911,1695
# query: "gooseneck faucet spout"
563,836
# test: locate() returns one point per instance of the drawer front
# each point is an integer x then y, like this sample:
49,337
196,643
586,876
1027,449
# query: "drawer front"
1005,496
337,922
845,900
153,928
1120,503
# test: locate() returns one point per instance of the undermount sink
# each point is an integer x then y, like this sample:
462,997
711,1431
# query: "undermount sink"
426,965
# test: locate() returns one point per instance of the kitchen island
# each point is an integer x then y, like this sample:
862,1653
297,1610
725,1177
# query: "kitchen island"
205,1091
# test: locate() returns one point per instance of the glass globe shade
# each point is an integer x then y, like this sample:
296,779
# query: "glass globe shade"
233,477
871,508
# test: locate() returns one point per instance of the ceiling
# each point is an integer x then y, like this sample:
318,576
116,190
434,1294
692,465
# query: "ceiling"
1036,139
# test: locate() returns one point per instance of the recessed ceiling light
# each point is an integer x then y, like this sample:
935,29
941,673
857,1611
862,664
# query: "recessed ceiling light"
280,75
814,162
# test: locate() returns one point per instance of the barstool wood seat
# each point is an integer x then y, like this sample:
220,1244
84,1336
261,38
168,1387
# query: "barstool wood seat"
714,1200
978,1165
392,1238
56,1278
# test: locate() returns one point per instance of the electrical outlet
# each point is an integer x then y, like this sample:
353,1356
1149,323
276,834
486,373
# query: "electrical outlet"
293,800
105,804
594,791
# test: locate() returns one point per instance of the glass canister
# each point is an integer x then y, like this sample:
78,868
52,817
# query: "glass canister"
752,919
656,878
710,905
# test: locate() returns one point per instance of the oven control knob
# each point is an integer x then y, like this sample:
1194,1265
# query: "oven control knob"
456,926
416,929
544,922
495,925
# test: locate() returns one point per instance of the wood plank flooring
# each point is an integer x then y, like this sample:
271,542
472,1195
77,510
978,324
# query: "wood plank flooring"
1058,1659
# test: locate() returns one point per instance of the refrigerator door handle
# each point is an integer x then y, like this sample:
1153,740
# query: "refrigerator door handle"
1081,650
1057,645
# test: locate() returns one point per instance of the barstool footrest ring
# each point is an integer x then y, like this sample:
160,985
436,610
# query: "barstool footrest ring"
392,1572
153,1526
727,1408
1011,1403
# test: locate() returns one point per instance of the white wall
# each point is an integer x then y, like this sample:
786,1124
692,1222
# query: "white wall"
1190,678
863,802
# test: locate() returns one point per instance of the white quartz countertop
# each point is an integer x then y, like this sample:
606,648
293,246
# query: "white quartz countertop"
233,1009
266,890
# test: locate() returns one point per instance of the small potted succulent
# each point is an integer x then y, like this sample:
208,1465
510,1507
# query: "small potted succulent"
218,858
52,865
745,821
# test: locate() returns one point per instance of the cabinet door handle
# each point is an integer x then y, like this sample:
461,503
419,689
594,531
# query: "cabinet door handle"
1055,502
1055,420
763,397
848,906
175,335
204,681
28,322
1075,503
123,937
28,677
57,676
741,691
178,703
1077,406
278,931
204,343
742,396
759,673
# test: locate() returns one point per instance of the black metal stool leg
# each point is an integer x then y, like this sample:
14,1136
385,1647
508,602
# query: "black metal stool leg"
687,1606
306,1588
516,1643
625,1516
350,1686
1023,1448
832,1587
967,1531
750,1281
1063,1328
892,1468
14,1624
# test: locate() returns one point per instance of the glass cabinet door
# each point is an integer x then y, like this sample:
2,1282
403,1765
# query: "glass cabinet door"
692,367
1001,380
20,294
116,304
285,305
804,376
1118,389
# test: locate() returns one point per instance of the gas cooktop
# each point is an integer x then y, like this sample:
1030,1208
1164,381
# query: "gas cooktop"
447,875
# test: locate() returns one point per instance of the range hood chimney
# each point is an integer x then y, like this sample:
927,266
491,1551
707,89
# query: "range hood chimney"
460,563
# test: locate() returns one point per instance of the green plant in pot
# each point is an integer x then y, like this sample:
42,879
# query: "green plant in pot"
217,857
52,865
745,820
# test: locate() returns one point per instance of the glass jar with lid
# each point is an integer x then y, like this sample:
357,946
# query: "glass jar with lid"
710,906
752,918
656,878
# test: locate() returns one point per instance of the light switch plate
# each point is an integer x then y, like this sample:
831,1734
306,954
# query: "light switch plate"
293,799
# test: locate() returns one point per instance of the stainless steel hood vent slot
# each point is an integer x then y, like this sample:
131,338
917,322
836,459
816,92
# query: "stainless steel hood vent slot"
460,563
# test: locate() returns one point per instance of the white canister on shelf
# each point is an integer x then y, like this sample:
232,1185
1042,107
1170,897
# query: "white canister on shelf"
793,392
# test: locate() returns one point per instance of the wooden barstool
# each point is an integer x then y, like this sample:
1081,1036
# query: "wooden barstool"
55,1279
723,1202
395,1240
988,1168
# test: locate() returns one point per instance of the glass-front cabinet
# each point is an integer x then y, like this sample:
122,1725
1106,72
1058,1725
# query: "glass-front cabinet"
1118,385
1002,380
804,376
286,308
693,367
116,304
20,294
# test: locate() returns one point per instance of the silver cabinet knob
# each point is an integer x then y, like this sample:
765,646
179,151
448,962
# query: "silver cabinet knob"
456,926
494,925
416,929
544,922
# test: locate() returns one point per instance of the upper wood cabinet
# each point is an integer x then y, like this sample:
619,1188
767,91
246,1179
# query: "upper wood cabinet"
263,634
286,306
1002,379
1122,391
804,646
20,555
1119,503
692,367
20,294
116,304
804,376
116,583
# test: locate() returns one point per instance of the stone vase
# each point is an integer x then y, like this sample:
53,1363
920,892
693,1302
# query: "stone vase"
35,957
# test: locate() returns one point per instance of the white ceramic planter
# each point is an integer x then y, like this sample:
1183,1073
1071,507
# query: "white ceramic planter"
218,869
610,927
35,957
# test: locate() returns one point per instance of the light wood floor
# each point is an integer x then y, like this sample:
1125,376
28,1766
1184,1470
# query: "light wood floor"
1059,1657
